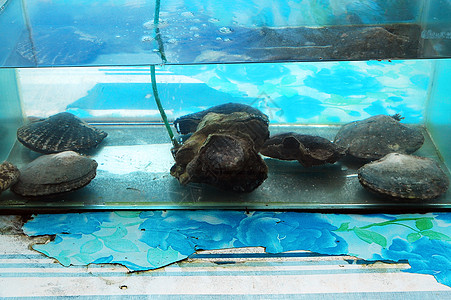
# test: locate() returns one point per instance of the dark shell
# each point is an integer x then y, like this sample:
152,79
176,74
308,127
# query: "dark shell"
60,132
402,176
54,174
223,152
309,150
375,137
238,123
9,174
188,124
225,161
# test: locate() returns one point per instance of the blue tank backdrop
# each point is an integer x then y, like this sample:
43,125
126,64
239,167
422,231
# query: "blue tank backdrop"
182,98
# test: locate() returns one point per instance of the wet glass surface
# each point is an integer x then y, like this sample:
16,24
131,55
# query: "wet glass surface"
332,67
74,33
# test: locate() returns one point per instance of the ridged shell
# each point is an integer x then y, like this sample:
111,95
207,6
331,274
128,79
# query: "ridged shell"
375,137
224,152
402,176
188,124
60,132
226,161
309,150
237,123
9,174
54,174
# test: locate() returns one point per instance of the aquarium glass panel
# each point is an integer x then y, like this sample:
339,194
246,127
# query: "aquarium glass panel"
439,109
142,71
289,93
12,26
436,33
314,98
142,32
10,111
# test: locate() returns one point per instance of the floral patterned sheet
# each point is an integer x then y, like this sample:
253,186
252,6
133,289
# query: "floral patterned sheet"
152,239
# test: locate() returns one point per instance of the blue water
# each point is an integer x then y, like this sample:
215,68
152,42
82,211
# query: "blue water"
307,93
61,33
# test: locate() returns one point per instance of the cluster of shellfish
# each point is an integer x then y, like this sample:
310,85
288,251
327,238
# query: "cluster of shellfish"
385,146
227,139
223,150
60,138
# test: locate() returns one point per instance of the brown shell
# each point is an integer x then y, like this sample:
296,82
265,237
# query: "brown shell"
225,161
222,152
254,126
375,137
309,150
60,132
238,123
54,174
188,124
9,174
402,176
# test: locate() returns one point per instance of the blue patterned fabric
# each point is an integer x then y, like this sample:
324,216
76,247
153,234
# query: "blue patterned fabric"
152,239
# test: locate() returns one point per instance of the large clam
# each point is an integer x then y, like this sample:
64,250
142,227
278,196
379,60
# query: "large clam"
405,177
375,137
224,152
188,123
55,174
60,132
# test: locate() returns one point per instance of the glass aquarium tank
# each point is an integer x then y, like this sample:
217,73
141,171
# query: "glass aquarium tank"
278,85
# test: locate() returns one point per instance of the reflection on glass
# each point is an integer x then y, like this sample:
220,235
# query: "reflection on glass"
69,33
309,66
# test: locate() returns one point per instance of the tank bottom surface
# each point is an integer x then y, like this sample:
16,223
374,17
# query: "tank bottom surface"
133,174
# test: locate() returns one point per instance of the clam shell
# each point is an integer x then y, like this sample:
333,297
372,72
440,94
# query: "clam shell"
54,174
309,150
9,174
236,123
375,137
224,152
60,132
227,162
188,124
402,176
